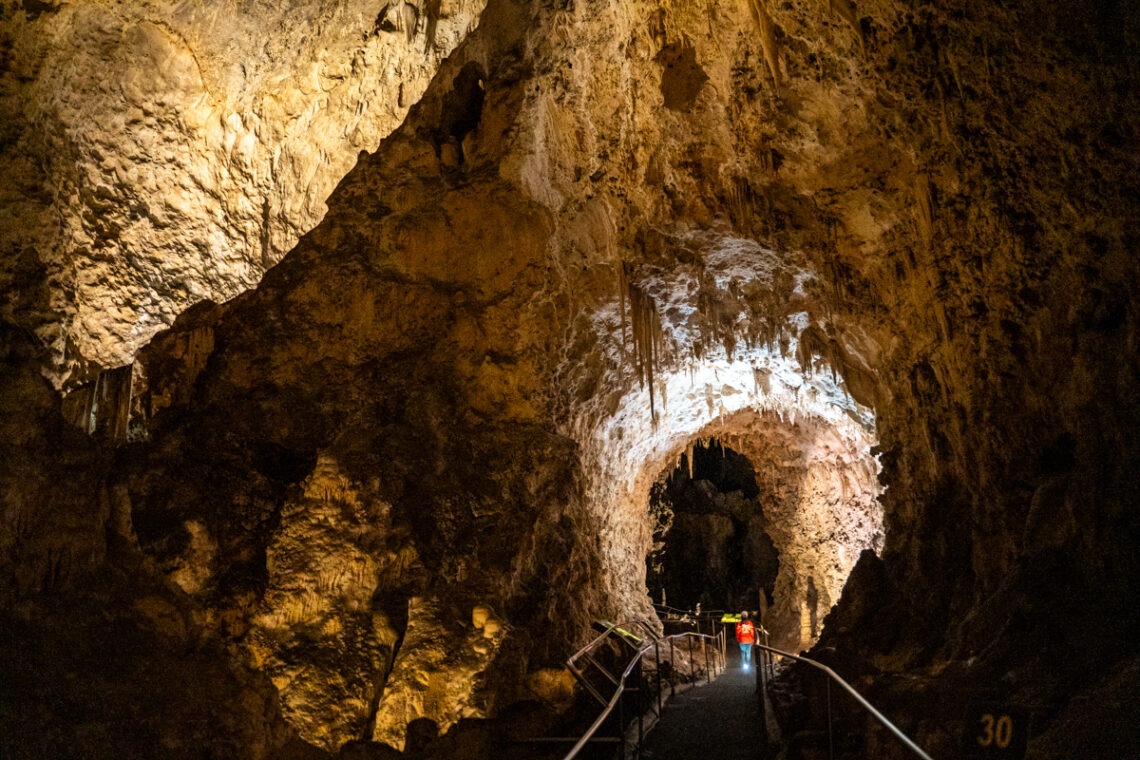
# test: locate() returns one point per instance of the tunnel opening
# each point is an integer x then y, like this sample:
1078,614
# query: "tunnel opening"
763,511
710,541
808,437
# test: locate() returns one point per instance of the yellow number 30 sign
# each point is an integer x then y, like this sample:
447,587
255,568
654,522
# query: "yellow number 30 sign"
997,731
994,730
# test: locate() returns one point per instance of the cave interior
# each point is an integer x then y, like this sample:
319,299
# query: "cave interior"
356,357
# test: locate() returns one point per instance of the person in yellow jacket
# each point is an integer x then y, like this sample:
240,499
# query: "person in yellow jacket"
745,637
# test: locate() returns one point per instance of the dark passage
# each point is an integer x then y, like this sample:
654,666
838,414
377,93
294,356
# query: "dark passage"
720,720
711,544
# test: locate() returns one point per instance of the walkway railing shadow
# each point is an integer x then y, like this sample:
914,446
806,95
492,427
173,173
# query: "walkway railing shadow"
765,672
612,668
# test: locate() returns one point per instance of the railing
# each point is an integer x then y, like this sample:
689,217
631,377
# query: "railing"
699,619
586,661
763,673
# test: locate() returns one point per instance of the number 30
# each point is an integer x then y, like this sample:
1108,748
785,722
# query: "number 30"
996,732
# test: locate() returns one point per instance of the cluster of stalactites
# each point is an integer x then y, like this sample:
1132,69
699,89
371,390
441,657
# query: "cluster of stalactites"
733,317
645,328
815,348
720,326
735,443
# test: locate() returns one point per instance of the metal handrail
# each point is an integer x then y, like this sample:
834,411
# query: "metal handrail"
858,697
654,642
606,634
688,614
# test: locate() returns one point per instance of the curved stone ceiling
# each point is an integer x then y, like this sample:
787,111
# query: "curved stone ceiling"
726,325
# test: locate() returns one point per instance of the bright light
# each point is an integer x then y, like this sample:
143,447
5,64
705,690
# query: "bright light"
807,438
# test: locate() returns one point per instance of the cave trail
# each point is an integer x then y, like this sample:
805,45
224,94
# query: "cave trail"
725,720
717,720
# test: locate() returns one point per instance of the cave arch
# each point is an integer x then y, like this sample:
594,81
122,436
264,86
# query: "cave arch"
817,502
810,444
750,375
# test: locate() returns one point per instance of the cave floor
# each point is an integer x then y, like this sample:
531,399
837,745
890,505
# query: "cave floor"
720,720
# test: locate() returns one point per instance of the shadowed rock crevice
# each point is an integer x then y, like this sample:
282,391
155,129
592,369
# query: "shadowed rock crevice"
463,106
681,76
714,547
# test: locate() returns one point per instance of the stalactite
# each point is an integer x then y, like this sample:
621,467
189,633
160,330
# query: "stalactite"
433,13
400,16
718,326
744,202
812,343
762,380
768,41
709,306
103,406
647,341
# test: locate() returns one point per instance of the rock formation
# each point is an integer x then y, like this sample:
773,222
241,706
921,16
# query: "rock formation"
816,509
159,154
406,471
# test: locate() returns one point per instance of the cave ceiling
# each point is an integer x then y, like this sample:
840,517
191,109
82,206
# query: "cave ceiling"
374,324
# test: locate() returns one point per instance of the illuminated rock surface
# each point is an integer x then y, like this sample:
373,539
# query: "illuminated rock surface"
884,241
161,153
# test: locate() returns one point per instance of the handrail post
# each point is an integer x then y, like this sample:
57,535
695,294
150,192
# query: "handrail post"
692,663
657,662
830,740
705,652
640,707
762,692
621,724
715,644
673,667
769,660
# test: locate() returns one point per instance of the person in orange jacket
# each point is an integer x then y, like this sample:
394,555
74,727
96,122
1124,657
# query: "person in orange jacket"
745,637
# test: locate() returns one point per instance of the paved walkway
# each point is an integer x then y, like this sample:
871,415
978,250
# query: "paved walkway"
717,721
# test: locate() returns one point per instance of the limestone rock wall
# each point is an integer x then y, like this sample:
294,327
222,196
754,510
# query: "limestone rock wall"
56,508
159,154
996,441
819,496
317,632
609,228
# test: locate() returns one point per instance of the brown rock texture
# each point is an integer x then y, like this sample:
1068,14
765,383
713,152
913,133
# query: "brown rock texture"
884,251
159,153
781,539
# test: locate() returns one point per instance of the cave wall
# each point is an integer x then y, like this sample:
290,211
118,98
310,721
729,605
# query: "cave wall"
1012,407
159,154
943,199
820,499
